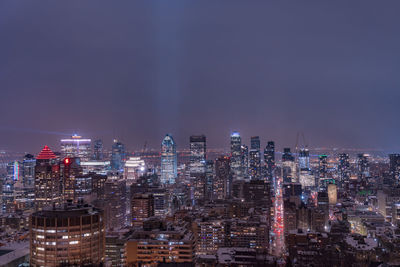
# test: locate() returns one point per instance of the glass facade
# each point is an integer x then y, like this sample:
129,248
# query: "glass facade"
168,160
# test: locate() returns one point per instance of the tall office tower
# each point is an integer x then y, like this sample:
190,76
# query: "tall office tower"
9,184
288,167
69,235
323,166
134,168
306,179
236,155
142,207
394,166
115,202
197,167
245,160
223,178
304,159
47,179
76,147
362,166
197,154
28,171
255,158
255,143
98,152
344,168
269,158
118,155
254,164
210,176
70,170
168,160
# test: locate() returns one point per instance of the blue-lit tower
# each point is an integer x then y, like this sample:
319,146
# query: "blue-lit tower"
168,160
118,155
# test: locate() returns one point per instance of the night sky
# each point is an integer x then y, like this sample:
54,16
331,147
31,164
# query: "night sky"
137,70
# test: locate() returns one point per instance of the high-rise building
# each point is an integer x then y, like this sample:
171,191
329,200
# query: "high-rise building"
134,168
288,167
48,184
236,155
394,167
98,152
223,178
9,184
255,143
27,173
269,159
70,235
197,154
323,166
114,202
142,207
362,166
168,160
118,156
197,167
254,164
344,168
245,160
210,176
304,159
70,170
76,147
255,158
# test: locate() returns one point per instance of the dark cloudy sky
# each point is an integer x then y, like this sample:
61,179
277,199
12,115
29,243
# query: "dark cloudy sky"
139,69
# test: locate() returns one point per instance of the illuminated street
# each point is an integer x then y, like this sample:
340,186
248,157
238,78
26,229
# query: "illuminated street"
278,237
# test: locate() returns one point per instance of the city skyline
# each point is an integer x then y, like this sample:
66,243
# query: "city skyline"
269,69
199,133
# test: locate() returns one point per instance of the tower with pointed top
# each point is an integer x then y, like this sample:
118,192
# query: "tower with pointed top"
47,179
168,160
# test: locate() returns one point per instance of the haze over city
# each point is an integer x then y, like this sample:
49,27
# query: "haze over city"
137,70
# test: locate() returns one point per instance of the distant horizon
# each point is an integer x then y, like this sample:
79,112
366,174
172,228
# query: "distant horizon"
141,69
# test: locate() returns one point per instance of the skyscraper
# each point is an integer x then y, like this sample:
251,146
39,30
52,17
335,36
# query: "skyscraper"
76,146
142,207
9,187
28,177
197,167
245,160
254,164
323,166
70,170
47,179
236,155
269,158
210,176
118,155
288,167
344,168
197,154
115,202
98,153
223,178
362,166
304,159
394,167
168,160
255,158
255,143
